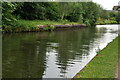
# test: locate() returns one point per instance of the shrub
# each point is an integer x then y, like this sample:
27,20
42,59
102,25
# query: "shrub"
49,28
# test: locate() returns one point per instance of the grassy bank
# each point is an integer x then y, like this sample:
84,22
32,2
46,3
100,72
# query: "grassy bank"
27,25
104,64
102,22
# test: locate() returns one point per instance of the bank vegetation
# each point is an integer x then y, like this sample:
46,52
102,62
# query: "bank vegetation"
22,16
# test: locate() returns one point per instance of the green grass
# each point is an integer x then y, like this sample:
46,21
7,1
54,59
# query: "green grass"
104,64
40,22
106,22
27,25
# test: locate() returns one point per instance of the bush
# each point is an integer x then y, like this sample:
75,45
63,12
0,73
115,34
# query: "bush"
49,28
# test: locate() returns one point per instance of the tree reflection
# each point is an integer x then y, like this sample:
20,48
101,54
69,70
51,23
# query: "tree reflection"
25,55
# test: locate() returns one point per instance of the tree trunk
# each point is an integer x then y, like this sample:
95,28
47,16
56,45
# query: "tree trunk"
62,17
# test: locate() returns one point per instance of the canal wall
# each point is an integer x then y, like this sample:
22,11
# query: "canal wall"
59,27
41,28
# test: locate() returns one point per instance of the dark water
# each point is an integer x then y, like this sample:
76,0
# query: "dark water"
53,54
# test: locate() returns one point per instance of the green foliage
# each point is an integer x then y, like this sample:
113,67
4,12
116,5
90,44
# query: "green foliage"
39,10
63,12
74,12
84,12
49,28
106,21
52,11
7,9
108,17
20,26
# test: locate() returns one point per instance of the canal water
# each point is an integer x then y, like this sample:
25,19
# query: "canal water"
58,54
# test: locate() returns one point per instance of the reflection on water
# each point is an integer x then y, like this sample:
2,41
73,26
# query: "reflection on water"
53,54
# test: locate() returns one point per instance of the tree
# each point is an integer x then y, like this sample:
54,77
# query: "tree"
64,8
7,9
76,13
